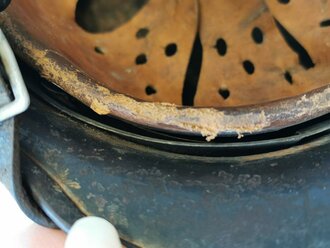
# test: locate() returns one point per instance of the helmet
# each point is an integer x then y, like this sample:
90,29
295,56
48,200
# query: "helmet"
211,67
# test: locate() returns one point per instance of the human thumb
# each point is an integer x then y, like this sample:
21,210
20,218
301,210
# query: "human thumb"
92,232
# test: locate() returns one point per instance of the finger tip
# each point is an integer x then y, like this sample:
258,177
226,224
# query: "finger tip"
92,231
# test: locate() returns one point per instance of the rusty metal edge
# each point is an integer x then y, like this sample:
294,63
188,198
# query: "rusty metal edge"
208,122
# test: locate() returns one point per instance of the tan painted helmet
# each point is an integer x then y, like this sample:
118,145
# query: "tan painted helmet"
211,66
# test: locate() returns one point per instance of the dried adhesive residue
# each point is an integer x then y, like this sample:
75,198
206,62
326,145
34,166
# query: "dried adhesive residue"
208,122
312,104
306,106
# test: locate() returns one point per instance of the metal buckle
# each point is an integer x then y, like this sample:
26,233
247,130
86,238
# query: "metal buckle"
21,97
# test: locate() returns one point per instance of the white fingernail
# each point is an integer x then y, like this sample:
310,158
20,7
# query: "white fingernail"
92,232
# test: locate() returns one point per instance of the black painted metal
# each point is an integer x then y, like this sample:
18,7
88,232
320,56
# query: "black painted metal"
49,195
10,172
163,199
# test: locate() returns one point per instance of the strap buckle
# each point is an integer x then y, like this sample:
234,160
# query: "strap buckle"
21,97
